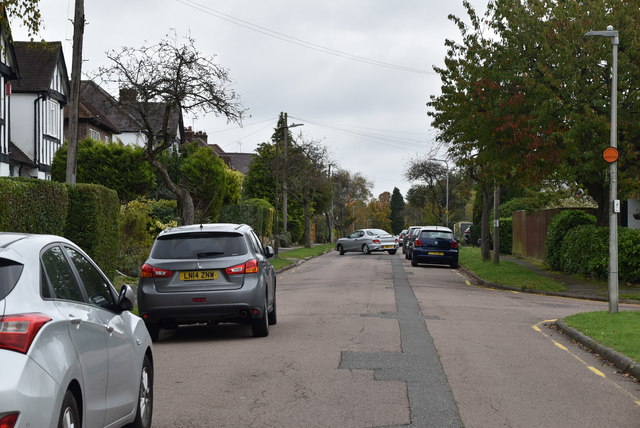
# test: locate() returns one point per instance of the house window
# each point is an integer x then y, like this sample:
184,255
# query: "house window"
93,134
53,119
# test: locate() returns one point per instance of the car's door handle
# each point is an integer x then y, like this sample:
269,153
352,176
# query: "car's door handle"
109,328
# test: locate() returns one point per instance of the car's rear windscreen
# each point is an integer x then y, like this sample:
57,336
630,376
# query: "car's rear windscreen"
10,272
434,234
199,245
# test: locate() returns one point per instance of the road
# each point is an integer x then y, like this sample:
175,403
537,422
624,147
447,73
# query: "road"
369,341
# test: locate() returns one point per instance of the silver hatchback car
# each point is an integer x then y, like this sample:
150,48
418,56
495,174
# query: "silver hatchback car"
208,273
368,241
71,353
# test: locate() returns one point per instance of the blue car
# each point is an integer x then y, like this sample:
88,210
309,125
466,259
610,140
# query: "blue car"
435,245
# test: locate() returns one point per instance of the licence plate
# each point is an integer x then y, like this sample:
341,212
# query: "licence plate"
196,275
387,246
435,253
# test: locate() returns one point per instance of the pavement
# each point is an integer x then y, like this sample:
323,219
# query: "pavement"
579,288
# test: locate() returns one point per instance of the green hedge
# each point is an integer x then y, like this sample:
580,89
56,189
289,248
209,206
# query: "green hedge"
506,235
560,225
32,206
257,213
585,250
93,223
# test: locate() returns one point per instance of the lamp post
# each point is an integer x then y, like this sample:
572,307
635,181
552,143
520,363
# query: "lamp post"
284,171
446,215
614,204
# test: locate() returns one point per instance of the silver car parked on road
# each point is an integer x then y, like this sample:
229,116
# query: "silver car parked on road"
71,353
368,241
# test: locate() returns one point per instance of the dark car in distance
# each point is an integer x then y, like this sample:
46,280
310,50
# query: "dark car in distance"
208,273
435,245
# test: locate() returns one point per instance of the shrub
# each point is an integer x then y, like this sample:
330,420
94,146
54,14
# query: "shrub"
506,235
257,213
93,223
560,225
30,205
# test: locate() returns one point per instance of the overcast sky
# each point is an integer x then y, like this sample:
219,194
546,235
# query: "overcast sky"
372,118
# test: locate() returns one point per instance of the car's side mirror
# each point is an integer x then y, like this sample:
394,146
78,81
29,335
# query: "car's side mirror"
269,251
126,297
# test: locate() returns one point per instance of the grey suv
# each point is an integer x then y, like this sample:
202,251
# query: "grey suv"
208,273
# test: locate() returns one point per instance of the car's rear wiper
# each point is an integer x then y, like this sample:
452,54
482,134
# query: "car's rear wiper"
210,253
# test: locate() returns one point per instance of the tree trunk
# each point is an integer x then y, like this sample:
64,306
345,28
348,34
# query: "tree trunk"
485,241
185,201
307,223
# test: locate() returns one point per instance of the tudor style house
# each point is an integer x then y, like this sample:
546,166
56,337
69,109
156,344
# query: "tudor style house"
38,98
8,71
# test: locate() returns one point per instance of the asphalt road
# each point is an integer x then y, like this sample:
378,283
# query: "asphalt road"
369,341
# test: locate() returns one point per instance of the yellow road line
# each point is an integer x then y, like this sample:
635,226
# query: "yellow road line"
592,369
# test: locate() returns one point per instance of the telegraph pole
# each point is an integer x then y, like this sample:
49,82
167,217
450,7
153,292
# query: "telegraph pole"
76,77
285,127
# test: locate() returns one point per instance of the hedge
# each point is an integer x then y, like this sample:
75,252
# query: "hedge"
560,225
506,235
585,250
93,224
30,205
257,213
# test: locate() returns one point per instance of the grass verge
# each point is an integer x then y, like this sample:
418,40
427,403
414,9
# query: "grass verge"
618,331
289,257
506,273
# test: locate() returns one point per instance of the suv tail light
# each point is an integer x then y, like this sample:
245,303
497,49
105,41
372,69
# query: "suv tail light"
149,271
417,243
9,421
18,331
250,266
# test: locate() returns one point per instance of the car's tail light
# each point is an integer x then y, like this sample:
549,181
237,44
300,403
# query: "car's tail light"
18,331
376,241
454,244
250,266
9,421
417,243
149,271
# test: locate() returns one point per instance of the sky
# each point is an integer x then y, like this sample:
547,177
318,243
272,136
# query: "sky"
356,73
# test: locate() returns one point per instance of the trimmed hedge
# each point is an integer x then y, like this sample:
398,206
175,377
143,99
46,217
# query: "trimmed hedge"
506,235
560,225
257,213
585,250
30,205
93,224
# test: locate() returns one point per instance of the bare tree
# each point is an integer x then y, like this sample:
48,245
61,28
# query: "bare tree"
161,82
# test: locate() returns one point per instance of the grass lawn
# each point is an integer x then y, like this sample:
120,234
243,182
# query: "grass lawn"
619,331
286,258
506,273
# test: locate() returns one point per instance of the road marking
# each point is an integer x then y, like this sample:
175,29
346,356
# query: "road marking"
592,369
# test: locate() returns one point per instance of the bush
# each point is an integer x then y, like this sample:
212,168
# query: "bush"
506,235
257,213
30,205
140,221
560,225
93,223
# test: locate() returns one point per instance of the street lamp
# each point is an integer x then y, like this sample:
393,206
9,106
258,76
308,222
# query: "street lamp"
614,204
447,192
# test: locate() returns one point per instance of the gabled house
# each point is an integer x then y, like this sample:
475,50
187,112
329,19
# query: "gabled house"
8,71
94,114
38,98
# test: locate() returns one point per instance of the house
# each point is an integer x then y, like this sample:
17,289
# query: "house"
8,71
38,97
237,161
96,109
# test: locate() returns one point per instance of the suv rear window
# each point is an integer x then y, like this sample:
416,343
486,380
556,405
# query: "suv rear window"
10,272
199,245
435,234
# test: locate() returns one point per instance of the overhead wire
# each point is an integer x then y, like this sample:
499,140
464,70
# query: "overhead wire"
299,42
